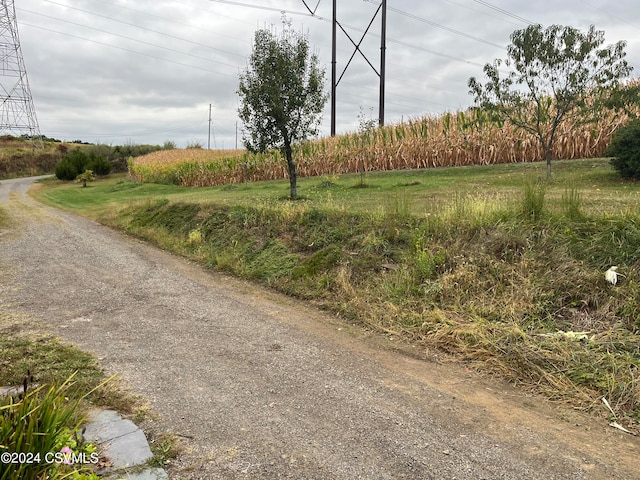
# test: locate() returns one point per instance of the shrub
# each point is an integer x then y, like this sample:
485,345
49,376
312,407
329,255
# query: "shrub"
98,165
79,159
72,165
625,150
65,170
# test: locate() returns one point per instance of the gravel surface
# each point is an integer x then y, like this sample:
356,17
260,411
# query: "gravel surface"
258,386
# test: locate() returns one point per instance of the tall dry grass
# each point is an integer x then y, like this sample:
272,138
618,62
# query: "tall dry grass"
450,139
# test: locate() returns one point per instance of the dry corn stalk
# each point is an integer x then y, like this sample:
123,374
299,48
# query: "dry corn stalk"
463,138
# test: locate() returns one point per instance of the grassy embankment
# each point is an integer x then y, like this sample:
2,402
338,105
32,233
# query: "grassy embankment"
483,262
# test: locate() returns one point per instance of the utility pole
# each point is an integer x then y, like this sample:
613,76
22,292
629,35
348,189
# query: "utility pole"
209,138
381,74
383,54
17,112
334,23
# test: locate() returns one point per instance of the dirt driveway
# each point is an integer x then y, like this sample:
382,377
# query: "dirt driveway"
258,386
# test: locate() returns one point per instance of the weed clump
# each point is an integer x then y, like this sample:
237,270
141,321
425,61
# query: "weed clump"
533,200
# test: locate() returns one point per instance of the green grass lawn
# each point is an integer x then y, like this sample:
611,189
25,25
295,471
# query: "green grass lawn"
415,191
492,264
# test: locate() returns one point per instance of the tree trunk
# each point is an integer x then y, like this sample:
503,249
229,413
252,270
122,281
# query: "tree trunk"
293,176
548,155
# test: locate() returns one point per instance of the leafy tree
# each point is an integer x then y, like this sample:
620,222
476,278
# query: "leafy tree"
86,176
626,98
558,74
281,95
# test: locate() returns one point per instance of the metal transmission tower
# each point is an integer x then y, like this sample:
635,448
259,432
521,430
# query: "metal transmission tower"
383,47
17,112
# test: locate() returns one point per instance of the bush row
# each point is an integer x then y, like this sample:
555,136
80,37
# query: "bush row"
100,159
77,161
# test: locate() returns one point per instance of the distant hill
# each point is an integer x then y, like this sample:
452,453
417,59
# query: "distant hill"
22,157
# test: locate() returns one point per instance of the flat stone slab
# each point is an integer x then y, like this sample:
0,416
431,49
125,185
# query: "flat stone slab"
148,474
6,391
121,441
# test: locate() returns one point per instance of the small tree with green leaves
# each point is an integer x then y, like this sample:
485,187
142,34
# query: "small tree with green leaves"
86,176
281,95
558,74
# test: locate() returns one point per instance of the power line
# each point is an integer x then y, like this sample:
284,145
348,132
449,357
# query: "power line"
414,46
607,12
147,29
130,38
147,14
467,7
261,7
392,40
126,49
135,134
438,25
311,5
504,12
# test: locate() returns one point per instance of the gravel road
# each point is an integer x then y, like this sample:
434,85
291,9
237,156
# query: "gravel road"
258,386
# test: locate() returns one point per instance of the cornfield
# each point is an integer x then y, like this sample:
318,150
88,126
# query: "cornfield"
451,139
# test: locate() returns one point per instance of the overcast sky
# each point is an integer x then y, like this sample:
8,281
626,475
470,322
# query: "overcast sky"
146,71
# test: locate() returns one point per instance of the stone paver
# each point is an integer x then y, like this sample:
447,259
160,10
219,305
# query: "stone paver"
123,443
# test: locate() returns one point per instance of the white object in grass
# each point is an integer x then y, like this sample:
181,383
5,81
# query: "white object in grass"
611,275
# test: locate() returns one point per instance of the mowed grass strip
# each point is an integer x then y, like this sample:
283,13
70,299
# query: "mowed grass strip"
490,263
420,192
